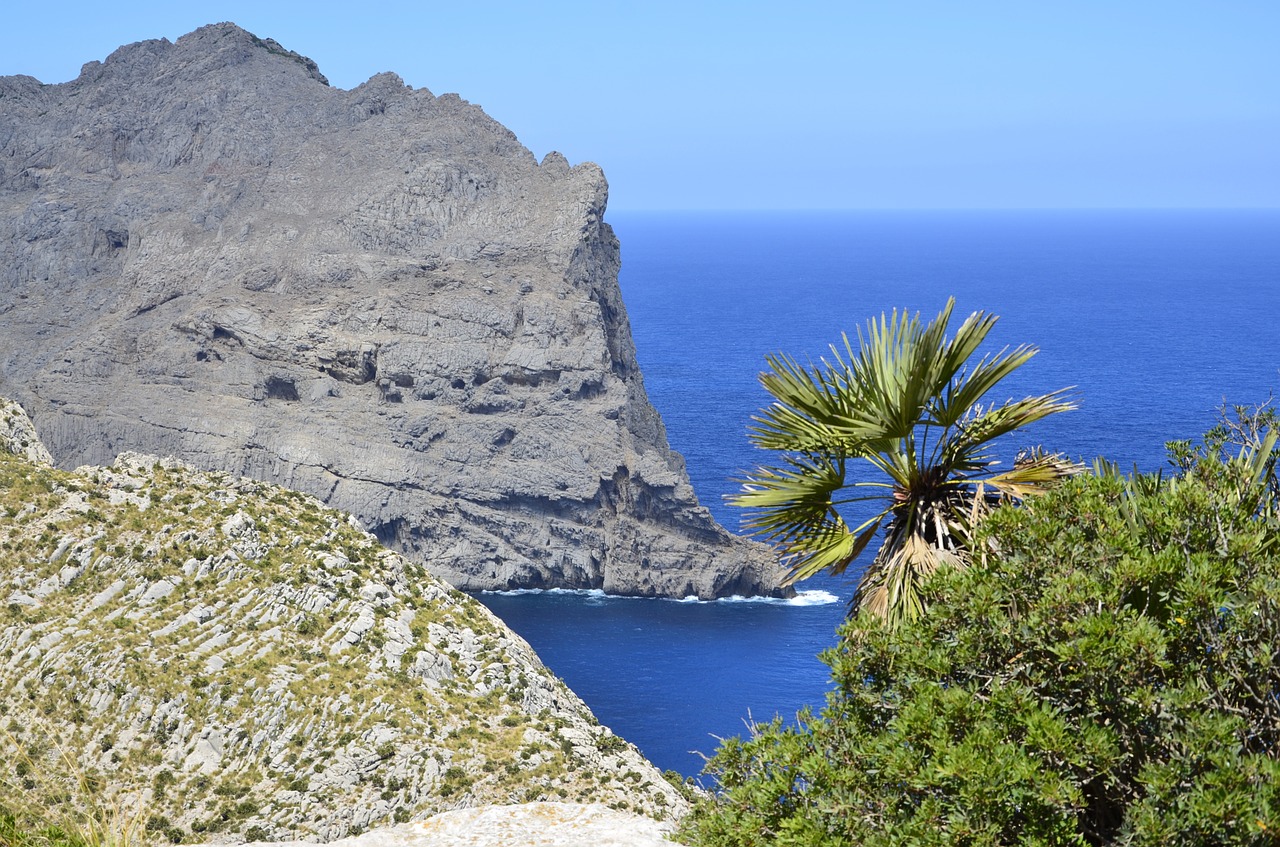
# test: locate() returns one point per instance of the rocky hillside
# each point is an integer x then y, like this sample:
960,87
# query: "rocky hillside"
376,296
240,662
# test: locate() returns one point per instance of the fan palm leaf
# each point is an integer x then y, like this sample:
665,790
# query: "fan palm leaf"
907,400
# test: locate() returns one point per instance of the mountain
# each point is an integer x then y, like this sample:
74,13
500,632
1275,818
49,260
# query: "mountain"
220,658
375,296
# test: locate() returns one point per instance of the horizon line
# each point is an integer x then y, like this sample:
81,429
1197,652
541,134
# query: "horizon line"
829,209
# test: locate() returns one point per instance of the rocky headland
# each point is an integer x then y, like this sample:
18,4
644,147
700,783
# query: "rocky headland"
233,661
375,296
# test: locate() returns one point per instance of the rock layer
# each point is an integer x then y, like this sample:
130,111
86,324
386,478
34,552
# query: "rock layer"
376,296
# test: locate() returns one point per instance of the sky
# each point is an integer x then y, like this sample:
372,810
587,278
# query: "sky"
823,105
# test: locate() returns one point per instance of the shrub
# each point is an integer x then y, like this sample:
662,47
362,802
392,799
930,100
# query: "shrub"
15,832
609,744
1109,676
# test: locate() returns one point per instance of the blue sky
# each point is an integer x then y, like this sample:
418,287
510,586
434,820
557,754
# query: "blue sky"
742,105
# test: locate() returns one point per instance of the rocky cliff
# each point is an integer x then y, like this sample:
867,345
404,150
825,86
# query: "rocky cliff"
222,659
376,296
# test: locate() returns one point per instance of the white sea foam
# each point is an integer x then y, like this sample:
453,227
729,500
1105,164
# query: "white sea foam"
581,592
817,597
802,598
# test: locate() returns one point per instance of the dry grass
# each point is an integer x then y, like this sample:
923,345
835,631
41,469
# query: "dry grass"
70,808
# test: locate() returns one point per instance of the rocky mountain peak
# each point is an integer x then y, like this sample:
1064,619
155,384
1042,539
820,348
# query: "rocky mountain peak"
375,296
208,50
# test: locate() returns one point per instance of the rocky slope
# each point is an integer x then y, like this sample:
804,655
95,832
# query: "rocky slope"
236,661
376,296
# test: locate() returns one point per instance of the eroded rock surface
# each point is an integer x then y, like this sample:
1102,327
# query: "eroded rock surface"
376,296
238,662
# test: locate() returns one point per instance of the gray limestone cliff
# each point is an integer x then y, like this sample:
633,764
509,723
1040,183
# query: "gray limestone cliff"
220,659
375,296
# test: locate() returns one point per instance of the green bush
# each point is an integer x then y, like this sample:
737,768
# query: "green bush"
1107,673
17,832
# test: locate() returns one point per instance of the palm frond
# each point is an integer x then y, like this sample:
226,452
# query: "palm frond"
1033,474
898,367
972,435
967,340
807,403
819,408
969,386
835,559
905,400
892,586
792,507
794,502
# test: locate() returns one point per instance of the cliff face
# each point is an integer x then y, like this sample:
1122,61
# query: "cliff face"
376,296
232,660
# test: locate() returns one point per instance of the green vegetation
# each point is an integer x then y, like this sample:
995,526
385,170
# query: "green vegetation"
1106,674
908,402
15,831
67,808
216,648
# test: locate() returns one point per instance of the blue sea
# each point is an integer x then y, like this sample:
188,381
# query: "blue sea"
1156,318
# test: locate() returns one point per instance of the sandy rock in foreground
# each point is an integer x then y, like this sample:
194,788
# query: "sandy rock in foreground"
527,825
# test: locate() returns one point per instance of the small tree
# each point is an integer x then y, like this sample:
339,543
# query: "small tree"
909,403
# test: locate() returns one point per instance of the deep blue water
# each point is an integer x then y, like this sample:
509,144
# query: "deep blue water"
1156,318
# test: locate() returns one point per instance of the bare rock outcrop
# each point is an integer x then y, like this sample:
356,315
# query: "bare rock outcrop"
524,825
18,436
375,296
227,660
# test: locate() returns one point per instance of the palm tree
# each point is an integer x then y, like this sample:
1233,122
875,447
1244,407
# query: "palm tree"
908,402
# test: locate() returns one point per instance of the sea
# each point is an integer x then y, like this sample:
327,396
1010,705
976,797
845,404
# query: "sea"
1153,319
